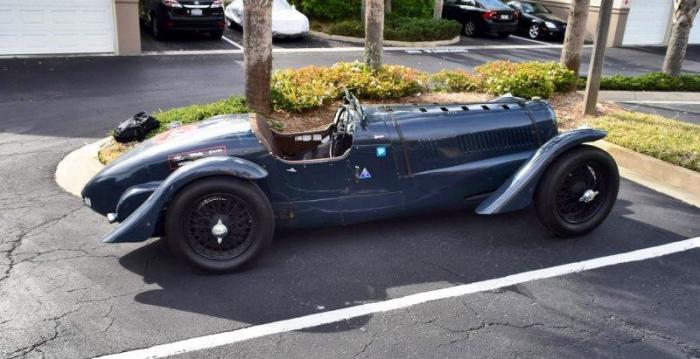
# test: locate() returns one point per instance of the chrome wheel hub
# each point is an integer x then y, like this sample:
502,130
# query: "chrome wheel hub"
219,231
588,196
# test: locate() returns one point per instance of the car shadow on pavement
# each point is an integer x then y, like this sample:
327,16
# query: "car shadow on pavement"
308,271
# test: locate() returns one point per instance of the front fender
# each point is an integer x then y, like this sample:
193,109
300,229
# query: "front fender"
140,225
517,192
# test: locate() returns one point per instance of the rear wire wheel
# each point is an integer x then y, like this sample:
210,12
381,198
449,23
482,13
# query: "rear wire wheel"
578,191
220,223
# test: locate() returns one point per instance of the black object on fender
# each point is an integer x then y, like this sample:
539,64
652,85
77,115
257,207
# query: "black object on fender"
135,128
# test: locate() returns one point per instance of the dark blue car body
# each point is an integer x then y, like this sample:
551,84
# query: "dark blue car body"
402,159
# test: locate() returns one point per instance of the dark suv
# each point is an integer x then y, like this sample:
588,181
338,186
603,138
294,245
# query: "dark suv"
482,16
164,16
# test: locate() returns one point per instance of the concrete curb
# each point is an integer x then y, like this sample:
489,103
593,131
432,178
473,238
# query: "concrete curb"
669,179
76,169
359,40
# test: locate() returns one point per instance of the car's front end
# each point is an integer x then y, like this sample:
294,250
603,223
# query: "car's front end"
191,15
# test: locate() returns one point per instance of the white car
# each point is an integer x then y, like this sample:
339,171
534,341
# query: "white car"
287,21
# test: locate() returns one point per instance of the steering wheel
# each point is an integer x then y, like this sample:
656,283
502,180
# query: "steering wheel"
341,126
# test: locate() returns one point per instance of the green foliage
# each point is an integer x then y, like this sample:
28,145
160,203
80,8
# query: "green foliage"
402,29
526,79
668,140
412,8
330,9
194,113
312,86
351,9
652,81
454,81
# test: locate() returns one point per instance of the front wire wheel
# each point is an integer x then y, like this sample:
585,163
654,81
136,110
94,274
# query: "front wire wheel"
577,191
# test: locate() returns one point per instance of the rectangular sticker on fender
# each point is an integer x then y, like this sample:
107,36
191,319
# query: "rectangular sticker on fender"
179,159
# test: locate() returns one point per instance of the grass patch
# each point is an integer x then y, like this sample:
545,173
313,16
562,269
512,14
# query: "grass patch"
199,112
653,81
668,140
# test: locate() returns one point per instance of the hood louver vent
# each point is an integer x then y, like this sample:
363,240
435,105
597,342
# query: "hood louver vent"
512,138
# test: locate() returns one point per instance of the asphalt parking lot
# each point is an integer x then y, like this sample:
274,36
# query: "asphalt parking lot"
64,294
232,40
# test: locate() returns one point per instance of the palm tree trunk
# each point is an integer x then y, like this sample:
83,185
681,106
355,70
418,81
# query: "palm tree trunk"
257,43
374,34
684,12
575,35
437,9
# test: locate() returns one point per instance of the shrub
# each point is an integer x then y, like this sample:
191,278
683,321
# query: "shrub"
311,86
402,29
653,81
527,79
668,140
331,9
412,8
194,113
454,81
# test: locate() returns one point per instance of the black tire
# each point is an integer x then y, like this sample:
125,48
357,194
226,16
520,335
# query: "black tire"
559,199
216,34
469,29
157,28
197,208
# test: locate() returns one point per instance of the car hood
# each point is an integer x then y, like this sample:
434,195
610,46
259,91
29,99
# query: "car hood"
550,18
155,159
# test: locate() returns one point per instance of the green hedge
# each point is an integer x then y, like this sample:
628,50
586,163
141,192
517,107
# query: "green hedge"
668,140
312,86
525,79
351,9
402,29
199,112
653,81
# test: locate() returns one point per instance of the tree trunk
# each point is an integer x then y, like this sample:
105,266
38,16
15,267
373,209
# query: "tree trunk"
437,9
374,34
387,6
575,35
684,12
257,44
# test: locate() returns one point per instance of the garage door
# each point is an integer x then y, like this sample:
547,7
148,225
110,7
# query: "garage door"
56,27
695,31
647,22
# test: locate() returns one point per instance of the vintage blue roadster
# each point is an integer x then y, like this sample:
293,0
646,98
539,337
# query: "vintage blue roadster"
218,189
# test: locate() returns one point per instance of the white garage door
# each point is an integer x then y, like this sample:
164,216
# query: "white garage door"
56,26
695,31
647,22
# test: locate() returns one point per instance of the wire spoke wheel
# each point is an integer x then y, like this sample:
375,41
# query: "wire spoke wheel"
580,194
219,226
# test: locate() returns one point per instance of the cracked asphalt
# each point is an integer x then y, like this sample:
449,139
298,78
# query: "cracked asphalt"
63,294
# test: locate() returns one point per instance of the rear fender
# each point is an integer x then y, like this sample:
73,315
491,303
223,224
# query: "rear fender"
517,192
140,225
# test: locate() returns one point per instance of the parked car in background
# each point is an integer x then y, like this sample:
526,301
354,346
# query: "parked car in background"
482,16
287,21
537,21
165,16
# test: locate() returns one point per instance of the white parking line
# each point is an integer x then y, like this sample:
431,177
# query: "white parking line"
314,320
232,42
535,41
360,49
